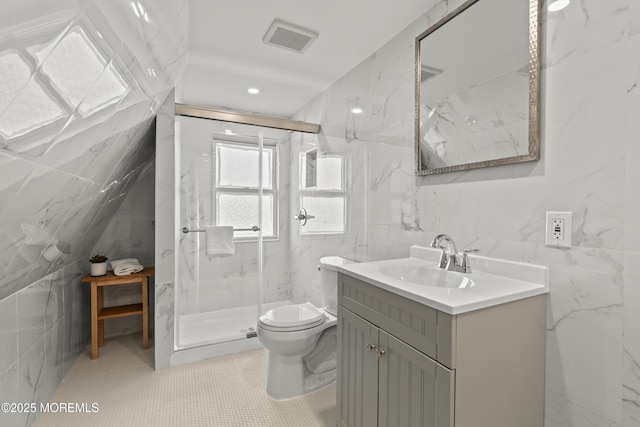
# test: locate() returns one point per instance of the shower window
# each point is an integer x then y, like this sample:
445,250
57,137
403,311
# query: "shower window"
238,188
326,201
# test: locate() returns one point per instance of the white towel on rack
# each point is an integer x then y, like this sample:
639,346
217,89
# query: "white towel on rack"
219,241
126,266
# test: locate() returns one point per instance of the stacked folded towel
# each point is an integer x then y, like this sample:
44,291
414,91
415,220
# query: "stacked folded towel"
124,267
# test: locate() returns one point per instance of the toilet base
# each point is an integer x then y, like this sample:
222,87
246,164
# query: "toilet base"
300,362
289,367
298,382
315,382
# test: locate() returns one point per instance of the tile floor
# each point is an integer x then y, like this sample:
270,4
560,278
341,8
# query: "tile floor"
227,391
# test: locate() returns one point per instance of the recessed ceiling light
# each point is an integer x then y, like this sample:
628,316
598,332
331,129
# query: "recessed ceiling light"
253,91
557,5
356,110
228,131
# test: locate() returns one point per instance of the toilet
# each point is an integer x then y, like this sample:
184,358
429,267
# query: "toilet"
302,339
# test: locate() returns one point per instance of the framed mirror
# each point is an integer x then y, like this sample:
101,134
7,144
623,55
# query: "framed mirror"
477,87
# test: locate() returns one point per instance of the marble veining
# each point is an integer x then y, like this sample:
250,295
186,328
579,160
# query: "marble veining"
76,171
8,334
61,183
588,166
165,243
42,336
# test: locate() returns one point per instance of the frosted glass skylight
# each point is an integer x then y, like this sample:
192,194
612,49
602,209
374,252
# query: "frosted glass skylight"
14,74
108,90
75,66
32,109
79,75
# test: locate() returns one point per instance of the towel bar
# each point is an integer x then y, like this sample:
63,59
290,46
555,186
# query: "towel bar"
254,228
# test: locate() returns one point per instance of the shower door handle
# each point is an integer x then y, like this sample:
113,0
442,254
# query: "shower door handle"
303,216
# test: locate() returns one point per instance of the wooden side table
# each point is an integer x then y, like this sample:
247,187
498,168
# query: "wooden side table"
99,313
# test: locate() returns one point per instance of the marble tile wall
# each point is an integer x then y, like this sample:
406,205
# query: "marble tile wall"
306,250
43,329
165,243
130,234
631,279
590,105
62,179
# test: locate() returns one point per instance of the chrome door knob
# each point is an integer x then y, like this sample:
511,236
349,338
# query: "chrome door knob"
381,352
371,347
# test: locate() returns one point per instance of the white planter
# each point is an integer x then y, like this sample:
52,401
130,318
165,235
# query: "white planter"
98,268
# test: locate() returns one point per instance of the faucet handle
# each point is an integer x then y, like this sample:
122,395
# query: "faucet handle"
465,261
444,259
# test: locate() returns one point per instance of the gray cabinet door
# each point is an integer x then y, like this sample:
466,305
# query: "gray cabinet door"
414,389
357,404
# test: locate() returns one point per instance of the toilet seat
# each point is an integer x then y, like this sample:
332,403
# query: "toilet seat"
294,317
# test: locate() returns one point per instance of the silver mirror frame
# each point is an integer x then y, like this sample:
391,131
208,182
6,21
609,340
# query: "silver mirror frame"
534,95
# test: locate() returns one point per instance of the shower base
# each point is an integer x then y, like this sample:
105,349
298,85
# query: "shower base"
220,326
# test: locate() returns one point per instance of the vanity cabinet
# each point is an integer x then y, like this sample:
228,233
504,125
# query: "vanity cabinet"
387,382
402,363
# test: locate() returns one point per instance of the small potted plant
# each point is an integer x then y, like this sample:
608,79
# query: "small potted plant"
98,265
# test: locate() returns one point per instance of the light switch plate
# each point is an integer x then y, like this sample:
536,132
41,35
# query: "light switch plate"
558,229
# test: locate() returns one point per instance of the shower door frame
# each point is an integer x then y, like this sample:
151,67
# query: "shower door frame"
165,352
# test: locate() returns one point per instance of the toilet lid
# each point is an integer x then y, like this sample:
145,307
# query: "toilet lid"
293,316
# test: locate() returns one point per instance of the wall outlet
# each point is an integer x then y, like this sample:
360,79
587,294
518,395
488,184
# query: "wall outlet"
559,226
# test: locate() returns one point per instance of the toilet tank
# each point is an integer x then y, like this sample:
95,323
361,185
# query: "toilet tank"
329,281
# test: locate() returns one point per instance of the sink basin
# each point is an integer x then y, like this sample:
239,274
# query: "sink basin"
427,276
492,281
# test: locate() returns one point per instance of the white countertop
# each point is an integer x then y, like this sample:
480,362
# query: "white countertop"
495,281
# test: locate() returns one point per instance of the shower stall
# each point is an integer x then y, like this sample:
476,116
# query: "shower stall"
237,175
228,177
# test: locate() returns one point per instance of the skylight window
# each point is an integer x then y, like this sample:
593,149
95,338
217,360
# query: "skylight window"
74,75
108,89
14,74
77,69
24,105
32,110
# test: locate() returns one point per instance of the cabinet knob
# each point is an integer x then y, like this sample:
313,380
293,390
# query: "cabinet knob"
381,353
371,347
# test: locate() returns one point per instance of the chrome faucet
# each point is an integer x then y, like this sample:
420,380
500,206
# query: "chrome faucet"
447,253
450,254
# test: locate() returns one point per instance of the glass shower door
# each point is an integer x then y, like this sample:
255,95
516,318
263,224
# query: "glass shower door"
222,179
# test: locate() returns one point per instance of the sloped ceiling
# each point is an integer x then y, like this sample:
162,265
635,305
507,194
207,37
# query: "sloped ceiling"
81,83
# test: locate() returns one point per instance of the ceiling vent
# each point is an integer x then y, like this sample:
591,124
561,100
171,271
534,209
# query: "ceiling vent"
288,36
